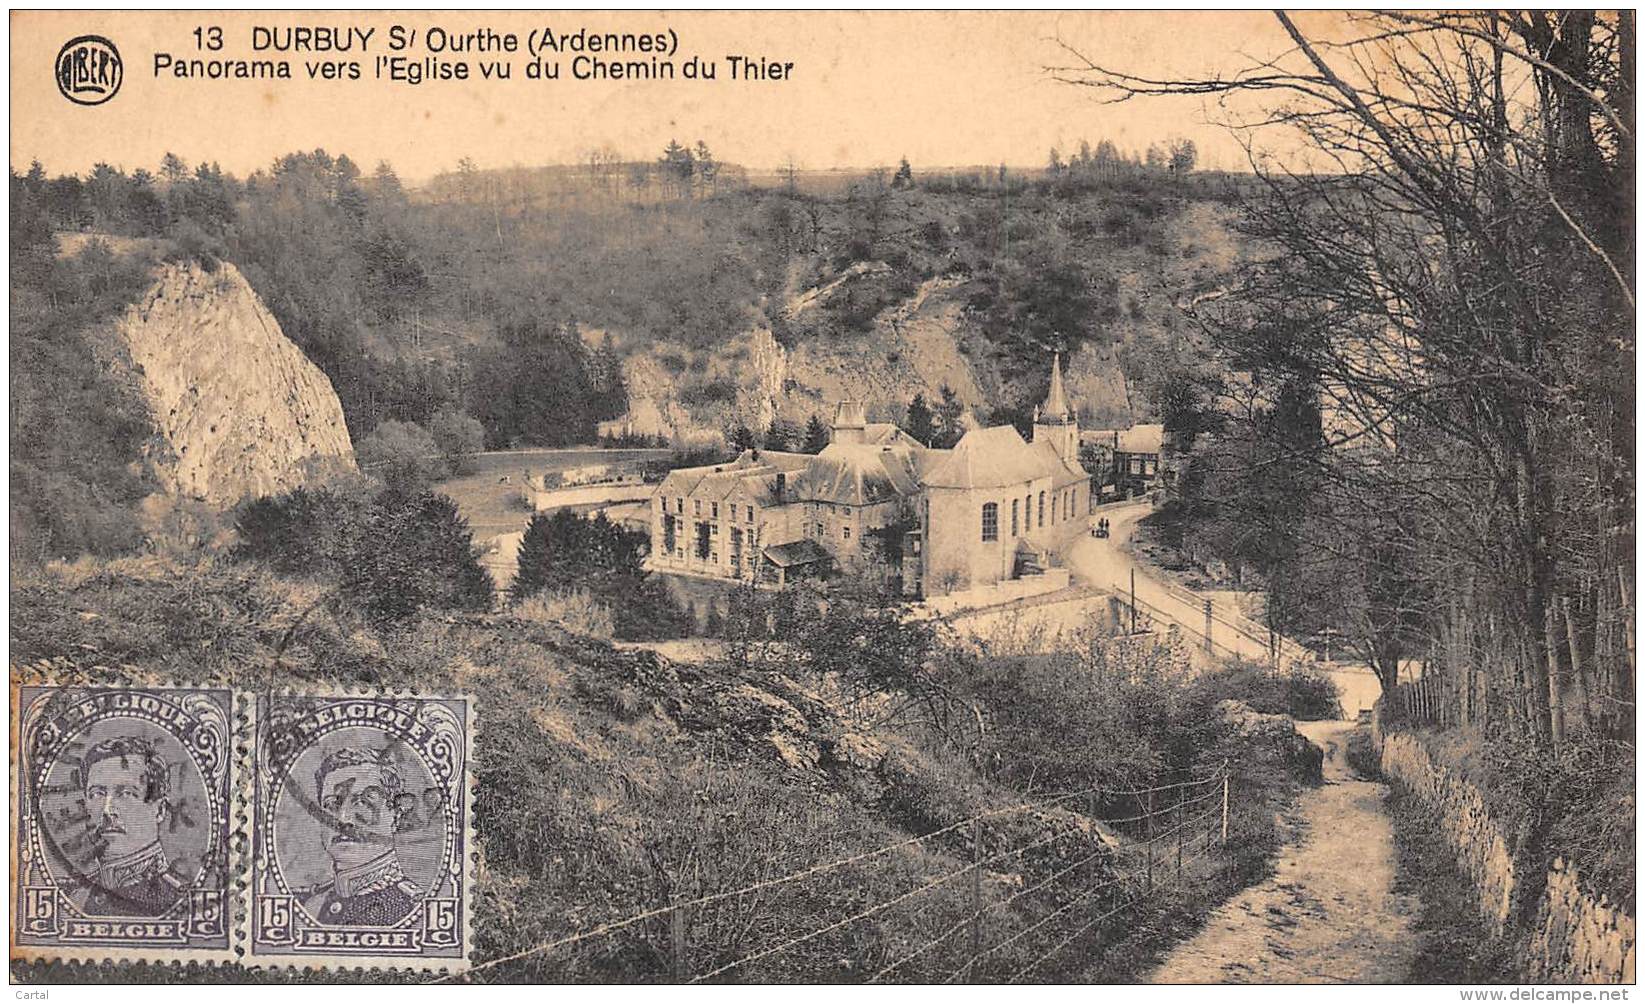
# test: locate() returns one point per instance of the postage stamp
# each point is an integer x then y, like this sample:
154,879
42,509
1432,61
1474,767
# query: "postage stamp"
361,834
122,804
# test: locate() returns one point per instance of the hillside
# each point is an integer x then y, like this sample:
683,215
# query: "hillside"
547,302
145,381
610,782
758,304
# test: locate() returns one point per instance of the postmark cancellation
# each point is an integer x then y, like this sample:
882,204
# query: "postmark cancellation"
361,839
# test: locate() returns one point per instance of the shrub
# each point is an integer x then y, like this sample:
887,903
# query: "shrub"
403,454
1303,695
457,437
414,552
575,610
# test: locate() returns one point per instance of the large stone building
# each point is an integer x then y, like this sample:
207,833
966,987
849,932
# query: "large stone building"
875,500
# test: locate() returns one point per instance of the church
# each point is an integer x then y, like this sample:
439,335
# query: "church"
877,501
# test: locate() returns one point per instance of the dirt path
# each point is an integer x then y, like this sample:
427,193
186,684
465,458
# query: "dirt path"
1329,913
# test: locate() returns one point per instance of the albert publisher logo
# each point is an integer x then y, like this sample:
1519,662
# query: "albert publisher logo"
89,70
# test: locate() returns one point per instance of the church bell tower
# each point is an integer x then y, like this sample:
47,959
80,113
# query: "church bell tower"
1054,421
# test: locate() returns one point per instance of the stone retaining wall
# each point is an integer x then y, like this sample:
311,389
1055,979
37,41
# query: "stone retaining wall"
1573,937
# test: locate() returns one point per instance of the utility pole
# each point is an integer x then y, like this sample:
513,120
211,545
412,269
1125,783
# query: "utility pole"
1207,627
1133,601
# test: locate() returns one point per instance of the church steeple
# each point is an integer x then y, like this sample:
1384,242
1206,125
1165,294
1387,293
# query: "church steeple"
1056,407
1054,421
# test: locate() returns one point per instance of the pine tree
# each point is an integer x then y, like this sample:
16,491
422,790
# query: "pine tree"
904,178
948,412
920,424
779,436
816,436
740,437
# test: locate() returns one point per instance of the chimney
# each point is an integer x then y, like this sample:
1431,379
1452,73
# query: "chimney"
849,420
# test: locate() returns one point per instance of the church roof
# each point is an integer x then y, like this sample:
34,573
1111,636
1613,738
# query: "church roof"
997,457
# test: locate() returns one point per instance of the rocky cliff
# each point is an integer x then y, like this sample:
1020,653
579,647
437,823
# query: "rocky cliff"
238,409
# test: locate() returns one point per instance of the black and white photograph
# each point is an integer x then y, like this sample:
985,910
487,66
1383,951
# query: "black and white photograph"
834,497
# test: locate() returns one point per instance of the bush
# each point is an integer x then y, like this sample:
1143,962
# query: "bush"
575,610
457,437
414,552
403,454
1303,695
393,555
563,550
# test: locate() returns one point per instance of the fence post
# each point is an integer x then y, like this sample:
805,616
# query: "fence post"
1225,810
1133,600
1180,835
676,931
1207,627
1149,822
976,895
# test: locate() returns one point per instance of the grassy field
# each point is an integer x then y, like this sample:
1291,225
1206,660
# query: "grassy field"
491,506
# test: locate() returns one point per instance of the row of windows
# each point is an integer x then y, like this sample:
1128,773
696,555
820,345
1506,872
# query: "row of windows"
1023,513
713,508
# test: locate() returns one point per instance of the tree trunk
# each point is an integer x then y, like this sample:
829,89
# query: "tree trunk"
1579,666
1556,680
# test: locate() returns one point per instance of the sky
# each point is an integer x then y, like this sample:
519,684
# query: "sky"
942,89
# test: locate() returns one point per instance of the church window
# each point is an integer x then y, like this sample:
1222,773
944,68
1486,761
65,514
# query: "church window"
990,521
1013,517
1042,510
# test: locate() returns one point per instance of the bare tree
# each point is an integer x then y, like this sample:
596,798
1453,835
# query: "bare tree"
1455,282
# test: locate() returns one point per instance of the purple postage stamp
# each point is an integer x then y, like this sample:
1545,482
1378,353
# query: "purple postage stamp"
122,805
362,839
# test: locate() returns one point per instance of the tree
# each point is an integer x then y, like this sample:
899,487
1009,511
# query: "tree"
780,436
1183,155
708,169
457,438
816,436
947,418
414,552
1054,165
904,178
739,437
1459,296
920,423
403,454
173,169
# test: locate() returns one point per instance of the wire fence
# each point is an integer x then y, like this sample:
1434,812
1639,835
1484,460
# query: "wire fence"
1188,826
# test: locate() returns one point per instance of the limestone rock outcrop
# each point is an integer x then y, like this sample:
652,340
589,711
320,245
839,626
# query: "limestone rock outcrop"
238,408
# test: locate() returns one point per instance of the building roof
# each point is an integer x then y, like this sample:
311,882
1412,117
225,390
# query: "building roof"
1137,439
797,552
997,457
859,474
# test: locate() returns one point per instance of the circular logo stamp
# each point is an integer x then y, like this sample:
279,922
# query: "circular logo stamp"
89,70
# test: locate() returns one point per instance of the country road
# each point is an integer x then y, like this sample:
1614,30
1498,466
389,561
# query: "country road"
1107,564
1329,913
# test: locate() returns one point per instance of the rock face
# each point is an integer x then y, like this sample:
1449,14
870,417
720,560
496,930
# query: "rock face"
239,409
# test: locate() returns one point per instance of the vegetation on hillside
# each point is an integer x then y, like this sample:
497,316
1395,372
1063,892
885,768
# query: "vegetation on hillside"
1420,428
612,782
